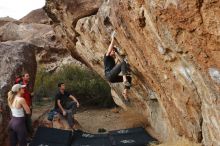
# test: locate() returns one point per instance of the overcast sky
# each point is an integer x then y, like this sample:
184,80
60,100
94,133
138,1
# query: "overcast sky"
19,8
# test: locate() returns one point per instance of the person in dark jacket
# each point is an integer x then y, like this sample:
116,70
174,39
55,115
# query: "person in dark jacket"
66,104
112,70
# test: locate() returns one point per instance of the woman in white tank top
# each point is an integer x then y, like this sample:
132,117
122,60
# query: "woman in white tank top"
18,106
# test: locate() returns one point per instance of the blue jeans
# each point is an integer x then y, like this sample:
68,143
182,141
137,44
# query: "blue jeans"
70,109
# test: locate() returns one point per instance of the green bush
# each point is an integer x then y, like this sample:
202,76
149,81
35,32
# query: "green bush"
84,84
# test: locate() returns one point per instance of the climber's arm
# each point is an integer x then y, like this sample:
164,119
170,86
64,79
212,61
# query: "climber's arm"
111,45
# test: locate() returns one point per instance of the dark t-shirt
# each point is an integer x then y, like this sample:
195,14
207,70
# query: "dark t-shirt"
64,99
109,63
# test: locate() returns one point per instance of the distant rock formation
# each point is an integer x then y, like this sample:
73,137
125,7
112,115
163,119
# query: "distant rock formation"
37,16
4,20
35,29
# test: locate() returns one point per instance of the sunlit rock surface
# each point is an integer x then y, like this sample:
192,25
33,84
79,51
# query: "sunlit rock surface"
172,47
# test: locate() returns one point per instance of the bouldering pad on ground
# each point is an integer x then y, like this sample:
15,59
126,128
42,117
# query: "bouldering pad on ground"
87,139
56,137
130,137
51,137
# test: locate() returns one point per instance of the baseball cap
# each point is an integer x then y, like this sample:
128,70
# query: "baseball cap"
17,87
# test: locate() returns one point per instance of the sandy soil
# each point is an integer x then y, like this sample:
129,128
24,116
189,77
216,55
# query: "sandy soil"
91,119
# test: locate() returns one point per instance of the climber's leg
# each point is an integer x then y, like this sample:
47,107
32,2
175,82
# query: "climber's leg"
129,79
113,74
118,79
125,94
126,88
124,70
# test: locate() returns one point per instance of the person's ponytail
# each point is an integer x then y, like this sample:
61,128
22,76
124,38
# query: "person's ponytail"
11,97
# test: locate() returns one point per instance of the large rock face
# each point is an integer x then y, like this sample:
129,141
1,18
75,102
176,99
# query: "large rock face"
15,57
172,47
70,13
4,20
50,52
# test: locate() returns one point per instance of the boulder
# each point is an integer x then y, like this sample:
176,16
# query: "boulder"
4,20
172,47
37,16
15,57
50,53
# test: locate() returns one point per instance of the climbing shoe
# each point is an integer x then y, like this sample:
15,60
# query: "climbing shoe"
127,84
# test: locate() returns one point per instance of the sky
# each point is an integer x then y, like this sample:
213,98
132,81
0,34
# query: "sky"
19,8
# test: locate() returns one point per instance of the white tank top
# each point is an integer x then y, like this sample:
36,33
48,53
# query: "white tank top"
17,112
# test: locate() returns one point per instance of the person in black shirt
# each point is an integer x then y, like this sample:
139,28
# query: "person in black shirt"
112,70
66,104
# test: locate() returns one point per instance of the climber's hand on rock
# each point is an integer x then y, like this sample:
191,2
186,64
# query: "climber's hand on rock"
113,35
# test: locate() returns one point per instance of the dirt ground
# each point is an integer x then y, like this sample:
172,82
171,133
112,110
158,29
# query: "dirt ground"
90,119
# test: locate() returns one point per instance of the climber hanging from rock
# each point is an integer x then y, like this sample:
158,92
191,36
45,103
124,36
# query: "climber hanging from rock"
112,69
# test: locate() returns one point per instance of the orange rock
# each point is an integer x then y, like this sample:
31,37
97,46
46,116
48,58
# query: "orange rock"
167,37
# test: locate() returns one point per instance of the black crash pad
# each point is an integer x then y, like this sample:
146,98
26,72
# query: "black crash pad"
86,139
51,137
130,137
57,137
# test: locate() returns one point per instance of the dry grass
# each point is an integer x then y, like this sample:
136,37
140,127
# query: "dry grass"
180,142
